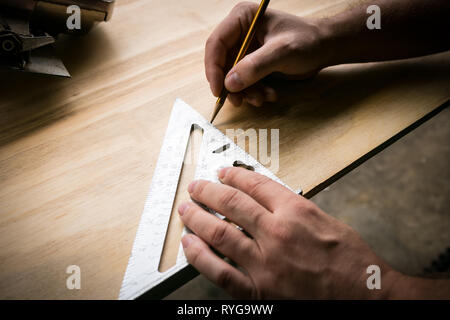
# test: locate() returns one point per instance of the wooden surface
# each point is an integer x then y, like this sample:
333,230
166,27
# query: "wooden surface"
174,230
77,156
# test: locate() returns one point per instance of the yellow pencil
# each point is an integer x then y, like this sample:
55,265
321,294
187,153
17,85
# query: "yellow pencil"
242,52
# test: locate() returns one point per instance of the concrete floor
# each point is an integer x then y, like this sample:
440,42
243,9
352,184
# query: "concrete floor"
398,201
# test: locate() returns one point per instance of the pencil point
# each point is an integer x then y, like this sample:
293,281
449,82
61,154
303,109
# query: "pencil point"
213,116
219,105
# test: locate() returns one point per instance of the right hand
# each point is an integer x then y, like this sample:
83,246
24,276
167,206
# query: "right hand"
285,44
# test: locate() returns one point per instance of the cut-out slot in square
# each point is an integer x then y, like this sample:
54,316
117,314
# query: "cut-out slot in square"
174,230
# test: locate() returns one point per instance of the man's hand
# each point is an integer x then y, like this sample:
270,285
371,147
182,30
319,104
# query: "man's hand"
295,249
283,43
299,47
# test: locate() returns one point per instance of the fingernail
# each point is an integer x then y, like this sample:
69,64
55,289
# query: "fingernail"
233,82
186,241
182,209
223,173
191,187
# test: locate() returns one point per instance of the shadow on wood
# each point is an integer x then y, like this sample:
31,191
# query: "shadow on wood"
46,99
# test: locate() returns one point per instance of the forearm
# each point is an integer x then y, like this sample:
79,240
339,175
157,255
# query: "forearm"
409,28
406,287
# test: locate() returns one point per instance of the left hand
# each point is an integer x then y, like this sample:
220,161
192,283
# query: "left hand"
295,251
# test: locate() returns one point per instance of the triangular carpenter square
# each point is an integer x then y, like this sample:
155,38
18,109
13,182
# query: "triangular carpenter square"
217,151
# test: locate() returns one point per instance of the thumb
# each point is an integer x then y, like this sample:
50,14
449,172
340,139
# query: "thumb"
251,69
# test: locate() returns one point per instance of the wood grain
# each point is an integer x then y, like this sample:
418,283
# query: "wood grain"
77,156
174,231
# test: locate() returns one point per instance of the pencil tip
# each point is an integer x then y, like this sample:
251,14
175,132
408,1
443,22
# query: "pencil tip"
218,107
216,111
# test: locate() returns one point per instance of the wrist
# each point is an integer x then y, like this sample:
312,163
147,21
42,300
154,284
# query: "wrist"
342,36
389,286
327,36
394,283
408,287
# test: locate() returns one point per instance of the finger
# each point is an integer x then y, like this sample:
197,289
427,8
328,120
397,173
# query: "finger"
216,49
223,39
270,94
215,76
219,234
232,203
253,68
264,190
201,257
235,99
255,95
259,93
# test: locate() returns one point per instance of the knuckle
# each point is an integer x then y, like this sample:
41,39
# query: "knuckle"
210,41
243,6
286,48
257,216
218,235
194,254
229,199
233,172
281,232
246,247
255,184
287,45
232,175
329,241
304,207
199,188
187,216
